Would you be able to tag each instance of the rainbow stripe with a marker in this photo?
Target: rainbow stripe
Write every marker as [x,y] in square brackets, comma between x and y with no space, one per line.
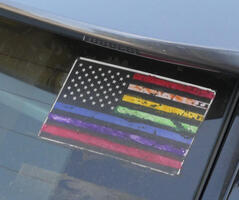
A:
[123,122]
[157,119]
[175,86]
[118,134]
[162,107]
[135,116]
[168,96]
[111,146]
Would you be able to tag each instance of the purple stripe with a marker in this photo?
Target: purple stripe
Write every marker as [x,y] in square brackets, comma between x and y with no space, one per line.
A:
[117,133]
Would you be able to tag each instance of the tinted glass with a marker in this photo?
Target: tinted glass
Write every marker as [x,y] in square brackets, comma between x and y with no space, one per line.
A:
[33,65]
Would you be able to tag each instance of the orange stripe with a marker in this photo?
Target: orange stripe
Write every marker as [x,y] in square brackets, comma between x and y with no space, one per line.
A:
[165,95]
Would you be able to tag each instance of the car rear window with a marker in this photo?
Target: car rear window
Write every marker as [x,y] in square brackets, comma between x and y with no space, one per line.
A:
[33,67]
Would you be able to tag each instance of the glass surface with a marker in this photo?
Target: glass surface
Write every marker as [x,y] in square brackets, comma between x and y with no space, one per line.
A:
[234,194]
[33,66]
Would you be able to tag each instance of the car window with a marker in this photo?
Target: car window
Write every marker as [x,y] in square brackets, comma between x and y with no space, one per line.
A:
[33,66]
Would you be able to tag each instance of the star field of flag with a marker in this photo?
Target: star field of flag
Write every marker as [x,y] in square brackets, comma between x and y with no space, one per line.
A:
[141,118]
[96,87]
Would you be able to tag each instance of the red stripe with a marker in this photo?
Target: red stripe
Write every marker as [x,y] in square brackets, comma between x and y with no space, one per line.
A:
[108,145]
[175,86]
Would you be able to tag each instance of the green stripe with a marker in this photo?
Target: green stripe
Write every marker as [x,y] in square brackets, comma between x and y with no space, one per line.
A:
[189,128]
[156,119]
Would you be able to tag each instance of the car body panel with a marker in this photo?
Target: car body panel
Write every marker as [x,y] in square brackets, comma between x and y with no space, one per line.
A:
[156,30]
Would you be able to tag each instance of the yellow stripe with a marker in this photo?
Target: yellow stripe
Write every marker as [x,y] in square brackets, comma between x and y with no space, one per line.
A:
[162,107]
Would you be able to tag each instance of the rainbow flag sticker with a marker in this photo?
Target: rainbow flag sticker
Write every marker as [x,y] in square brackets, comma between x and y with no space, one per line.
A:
[145,119]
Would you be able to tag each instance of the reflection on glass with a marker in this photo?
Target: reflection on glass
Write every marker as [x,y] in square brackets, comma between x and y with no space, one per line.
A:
[33,66]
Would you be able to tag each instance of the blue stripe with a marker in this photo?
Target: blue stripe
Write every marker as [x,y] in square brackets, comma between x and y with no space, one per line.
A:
[122,122]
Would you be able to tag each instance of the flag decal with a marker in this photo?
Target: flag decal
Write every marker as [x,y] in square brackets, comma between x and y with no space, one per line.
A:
[145,119]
